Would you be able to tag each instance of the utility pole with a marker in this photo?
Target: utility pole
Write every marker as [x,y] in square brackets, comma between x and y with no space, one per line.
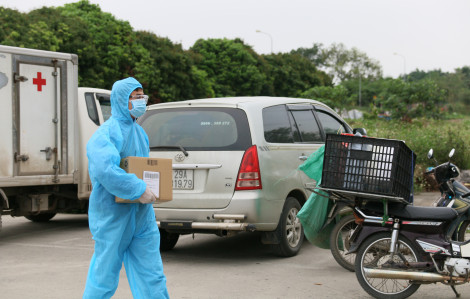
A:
[404,65]
[270,37]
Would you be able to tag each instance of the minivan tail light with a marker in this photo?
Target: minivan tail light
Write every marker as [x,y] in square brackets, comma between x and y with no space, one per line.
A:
[249,177]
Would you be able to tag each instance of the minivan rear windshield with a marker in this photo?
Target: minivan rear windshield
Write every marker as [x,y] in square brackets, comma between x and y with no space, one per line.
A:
[197,129]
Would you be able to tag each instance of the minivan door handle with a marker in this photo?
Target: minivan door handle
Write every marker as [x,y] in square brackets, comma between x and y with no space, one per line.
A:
[303,158]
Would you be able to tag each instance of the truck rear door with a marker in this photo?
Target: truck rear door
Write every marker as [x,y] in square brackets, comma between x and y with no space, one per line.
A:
[38,116]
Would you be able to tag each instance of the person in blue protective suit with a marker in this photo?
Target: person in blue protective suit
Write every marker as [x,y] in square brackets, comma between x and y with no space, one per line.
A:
[123,232]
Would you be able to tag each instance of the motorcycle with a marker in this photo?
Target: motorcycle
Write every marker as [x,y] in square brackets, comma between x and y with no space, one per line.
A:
[402,247]
[451,196]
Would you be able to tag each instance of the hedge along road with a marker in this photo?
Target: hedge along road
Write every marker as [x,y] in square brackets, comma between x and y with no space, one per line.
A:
[50,260]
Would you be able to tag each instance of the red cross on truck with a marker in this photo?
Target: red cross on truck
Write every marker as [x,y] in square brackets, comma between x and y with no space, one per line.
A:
[39,81]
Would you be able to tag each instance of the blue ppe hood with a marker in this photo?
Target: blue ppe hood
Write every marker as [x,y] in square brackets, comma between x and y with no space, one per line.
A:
[120,94]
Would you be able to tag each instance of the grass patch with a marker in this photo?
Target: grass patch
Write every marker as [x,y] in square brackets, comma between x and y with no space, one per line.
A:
[422,134]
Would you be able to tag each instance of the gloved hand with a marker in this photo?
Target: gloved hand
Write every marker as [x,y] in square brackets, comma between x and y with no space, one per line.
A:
[147,196]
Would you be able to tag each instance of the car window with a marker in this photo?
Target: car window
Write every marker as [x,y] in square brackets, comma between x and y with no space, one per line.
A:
[197,128]
[105,104]
[330,124]
[277,126]
[307,125]
[295,131]
[91,107]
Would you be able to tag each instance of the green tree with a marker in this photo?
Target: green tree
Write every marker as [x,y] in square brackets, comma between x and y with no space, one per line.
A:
[13,27]
[334,96]
[49,29]
[233,68]
[342,63]
[108,49]
[407,100]
[346,64]
[291,74]
[314,54]
[456,85]
[111,52]
[366,90]
[169,72]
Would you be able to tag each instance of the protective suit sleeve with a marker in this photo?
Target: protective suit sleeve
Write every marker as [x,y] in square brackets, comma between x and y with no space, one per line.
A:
[103,161]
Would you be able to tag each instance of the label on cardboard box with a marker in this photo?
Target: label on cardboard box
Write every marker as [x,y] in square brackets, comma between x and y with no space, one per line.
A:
[152,179]
[155,172]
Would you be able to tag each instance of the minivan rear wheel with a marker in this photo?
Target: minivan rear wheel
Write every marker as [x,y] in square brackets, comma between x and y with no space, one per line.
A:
[289,230]
[168,240]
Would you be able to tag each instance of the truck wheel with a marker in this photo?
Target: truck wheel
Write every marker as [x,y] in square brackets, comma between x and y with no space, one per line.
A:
[40,217]
[289,230]
[1,211]
[168,240]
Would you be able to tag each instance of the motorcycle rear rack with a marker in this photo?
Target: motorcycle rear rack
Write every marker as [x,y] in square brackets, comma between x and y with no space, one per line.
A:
[351,196]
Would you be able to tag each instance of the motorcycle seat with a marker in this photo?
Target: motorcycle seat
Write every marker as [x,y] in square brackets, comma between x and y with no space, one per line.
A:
[409,212]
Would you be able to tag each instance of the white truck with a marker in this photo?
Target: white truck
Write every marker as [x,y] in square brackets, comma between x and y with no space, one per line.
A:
[45,122]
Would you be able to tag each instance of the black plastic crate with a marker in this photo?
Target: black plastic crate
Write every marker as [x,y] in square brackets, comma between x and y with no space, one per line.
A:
[368,165]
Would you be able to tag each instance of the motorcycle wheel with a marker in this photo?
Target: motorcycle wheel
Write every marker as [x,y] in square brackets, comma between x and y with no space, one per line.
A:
[373,254]
[464,231]
[340,243]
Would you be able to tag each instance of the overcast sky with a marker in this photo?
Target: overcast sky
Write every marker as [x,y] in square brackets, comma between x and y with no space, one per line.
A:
[425,34]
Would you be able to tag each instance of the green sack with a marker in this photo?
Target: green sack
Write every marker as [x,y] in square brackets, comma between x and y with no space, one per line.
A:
[313,166]
[313,216]
[314,213]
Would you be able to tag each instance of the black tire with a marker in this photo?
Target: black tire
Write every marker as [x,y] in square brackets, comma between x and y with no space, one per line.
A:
[40,217]
[374,252]
[168,240]
[464,231]
[339,242]
[289,231]
[1,212]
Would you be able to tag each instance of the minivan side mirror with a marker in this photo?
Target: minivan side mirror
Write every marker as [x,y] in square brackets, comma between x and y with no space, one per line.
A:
[361,131]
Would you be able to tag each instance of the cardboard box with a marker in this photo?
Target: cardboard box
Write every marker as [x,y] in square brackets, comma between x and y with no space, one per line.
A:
[156,172]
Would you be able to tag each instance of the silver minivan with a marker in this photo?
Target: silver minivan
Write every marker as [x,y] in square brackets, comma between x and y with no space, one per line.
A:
[235,165]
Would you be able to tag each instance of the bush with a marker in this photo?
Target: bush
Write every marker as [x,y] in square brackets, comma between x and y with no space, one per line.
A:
[420,135]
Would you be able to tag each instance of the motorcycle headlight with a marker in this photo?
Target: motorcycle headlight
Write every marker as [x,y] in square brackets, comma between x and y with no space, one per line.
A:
[455,171]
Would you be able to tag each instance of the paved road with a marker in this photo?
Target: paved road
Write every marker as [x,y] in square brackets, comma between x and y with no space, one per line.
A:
[50,261]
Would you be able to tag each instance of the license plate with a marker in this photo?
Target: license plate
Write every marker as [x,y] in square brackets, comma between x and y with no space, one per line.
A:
[183,179]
